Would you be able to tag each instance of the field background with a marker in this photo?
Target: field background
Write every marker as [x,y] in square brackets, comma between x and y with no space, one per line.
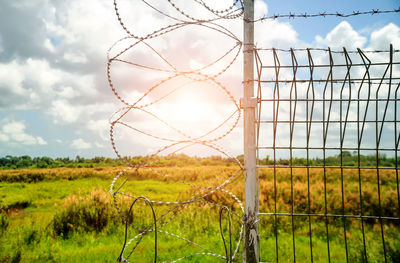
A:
[66,214]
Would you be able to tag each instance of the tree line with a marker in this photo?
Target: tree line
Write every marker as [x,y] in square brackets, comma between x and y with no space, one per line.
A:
[25,161]
[345,158]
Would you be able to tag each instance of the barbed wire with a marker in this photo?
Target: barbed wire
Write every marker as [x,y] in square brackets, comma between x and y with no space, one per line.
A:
[214,11]
[209,138]
[230,14]
[325,14]
[326,50]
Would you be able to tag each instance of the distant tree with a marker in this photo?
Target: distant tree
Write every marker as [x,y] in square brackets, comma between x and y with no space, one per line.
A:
[3,162]
[98,159]
[42,164]
[345,154]
[79,159]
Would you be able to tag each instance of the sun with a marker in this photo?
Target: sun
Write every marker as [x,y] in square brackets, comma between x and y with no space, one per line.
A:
[191,109]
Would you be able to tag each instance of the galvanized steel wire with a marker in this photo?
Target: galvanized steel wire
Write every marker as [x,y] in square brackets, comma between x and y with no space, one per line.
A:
[325,14]
[345,102]
[208,139]
[329,83]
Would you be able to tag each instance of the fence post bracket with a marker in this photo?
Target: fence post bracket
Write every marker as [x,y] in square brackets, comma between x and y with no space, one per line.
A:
[248,102]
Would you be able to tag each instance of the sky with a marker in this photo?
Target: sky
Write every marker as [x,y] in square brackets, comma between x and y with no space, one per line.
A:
[55,99]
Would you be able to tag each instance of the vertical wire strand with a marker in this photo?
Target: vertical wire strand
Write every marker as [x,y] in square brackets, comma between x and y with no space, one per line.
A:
[396,138]
[378,134]
[325,136]
[367,65]
[259,97]
[275,123]
[308,133]
[291,126]
[342,136]
[259,67]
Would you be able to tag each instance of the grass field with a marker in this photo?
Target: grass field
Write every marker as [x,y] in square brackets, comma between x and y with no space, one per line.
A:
[67,215]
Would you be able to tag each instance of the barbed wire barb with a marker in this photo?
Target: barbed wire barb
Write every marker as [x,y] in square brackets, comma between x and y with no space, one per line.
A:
[119,186]
[325,14]
[179,78]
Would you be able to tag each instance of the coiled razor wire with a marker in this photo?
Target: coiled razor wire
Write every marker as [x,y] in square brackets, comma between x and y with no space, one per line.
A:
[193,76]
[233,11]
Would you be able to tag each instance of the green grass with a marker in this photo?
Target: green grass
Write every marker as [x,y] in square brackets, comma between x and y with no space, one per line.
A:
[32,207]
[77,201]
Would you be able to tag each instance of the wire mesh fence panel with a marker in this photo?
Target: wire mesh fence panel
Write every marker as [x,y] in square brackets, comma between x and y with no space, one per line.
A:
[327,147]
[327,142]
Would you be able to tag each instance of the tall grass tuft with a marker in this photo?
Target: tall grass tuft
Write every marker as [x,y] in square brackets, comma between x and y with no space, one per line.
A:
[93,212]
[4,222]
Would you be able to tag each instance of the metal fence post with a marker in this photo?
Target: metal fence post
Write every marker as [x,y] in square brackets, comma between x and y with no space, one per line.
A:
[251,242]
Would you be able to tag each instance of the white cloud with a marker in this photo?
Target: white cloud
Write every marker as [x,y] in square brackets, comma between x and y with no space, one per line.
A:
[279,35]
[381,38]
[58,66]
[271,33]
[67,112]
[64,112]
[260,9]
[100,127]
[33,83]
[41,141]
[67,92]
[85,25]
[4,138]
[11,78]
[80,144]
[99,145]
[13,127]
[14,132]
[343,35]
[49,45]
[75,57]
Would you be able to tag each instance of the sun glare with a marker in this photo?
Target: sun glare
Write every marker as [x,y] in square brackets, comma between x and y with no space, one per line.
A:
[191,109]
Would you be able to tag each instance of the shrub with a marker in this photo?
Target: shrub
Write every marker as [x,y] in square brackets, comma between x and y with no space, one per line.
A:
[95,212]
[90,213]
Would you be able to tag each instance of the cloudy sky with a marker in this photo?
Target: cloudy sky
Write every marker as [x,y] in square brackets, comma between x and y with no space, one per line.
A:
[54,95]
